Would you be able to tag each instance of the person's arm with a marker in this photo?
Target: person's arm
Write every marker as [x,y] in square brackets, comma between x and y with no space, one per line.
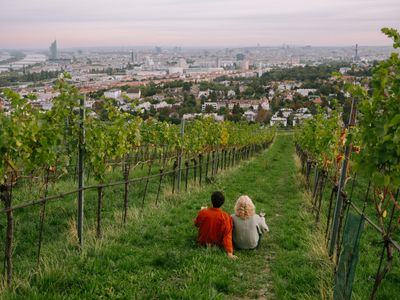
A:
[198,219]
[227,240]
[262,226]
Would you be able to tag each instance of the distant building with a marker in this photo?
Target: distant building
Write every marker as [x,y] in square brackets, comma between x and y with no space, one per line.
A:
[301,115]
[231,94]
[286,112]
[203,94]
[250,115]
[161,105]
[134,93]
[114,94]
[214,105]
[278,120]
[201,115]
[175,70]
[305,92]
[244,65]
[265,105]
[344,70]
[53,50]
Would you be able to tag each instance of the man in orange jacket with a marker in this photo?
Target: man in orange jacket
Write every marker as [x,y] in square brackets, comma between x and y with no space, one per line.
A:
[215,225]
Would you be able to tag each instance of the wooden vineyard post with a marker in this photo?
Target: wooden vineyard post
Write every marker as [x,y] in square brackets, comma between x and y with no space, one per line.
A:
[218,162]
[328,218]
[99,208]
[207,163]
[147,184]
[225,159]
[159,185]
[200,167]
[321,193]
[194,170]
[174,176]
[212,163]
[126,189]
[186,174]
[182,134]
[42,216]
[342,181]
[81,183]
[6,197]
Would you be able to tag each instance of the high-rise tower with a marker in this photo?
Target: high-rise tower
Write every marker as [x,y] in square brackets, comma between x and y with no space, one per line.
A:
[53,50]
[356,58]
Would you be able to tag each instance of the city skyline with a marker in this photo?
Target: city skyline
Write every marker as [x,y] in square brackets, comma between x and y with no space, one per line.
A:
[206,23]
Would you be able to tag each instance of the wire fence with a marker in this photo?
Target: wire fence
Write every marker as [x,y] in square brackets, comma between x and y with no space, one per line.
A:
[383,217]
[26,223]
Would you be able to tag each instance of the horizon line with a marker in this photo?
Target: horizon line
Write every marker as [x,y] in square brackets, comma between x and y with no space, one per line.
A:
[196,47]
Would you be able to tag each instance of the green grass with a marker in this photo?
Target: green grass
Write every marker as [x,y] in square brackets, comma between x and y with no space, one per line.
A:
[155,256]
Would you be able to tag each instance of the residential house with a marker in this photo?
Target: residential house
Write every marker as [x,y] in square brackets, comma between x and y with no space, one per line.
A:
[214,105]
[113,94]
[250,115]
[275,120]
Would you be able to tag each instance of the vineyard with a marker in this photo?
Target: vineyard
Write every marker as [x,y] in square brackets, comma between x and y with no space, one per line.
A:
[354,176]
[60,155]
[100,203]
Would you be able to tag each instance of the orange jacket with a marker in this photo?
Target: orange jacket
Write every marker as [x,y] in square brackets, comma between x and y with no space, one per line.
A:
[215,227]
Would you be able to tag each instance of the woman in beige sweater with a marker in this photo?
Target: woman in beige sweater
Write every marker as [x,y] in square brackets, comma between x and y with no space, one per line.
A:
[248,227]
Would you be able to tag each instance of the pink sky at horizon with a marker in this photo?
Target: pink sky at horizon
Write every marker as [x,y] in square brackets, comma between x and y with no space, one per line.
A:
[187,23]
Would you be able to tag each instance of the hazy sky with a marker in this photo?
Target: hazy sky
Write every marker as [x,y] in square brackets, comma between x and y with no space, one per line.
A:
[86,23]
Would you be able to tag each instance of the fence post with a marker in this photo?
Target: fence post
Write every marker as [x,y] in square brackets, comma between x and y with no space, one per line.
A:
[208,161]
[186,174]
[320,193]
[81,182]
[212,163]
[342,182]
[147,183]
[126,189]
[218,162]
[180,155]
[194,170]
[174,176]
[99,208]
[200,167]
[225,158]
[42,216]
[159,184]
[6,197]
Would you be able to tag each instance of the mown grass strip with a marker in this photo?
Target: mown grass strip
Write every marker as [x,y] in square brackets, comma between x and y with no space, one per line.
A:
[156,255]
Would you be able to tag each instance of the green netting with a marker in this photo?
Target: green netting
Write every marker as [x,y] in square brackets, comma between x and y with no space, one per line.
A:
[348,257]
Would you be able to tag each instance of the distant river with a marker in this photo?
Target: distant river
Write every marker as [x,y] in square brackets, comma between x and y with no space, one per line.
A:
[28,60]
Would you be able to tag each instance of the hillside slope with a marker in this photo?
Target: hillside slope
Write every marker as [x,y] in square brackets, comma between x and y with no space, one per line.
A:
[156,256]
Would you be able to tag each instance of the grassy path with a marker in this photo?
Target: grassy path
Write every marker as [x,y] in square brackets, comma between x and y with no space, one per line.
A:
[156,255]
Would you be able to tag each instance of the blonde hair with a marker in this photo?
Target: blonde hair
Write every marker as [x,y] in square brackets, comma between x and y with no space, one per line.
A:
[244,207]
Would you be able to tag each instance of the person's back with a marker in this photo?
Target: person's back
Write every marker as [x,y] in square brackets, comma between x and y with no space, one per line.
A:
[248,227]
[215,225]
[247,232]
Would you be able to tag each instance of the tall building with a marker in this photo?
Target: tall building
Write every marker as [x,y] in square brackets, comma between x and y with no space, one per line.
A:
[356,57]
[53,50]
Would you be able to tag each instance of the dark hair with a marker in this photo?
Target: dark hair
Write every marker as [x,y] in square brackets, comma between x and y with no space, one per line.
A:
[217,199]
